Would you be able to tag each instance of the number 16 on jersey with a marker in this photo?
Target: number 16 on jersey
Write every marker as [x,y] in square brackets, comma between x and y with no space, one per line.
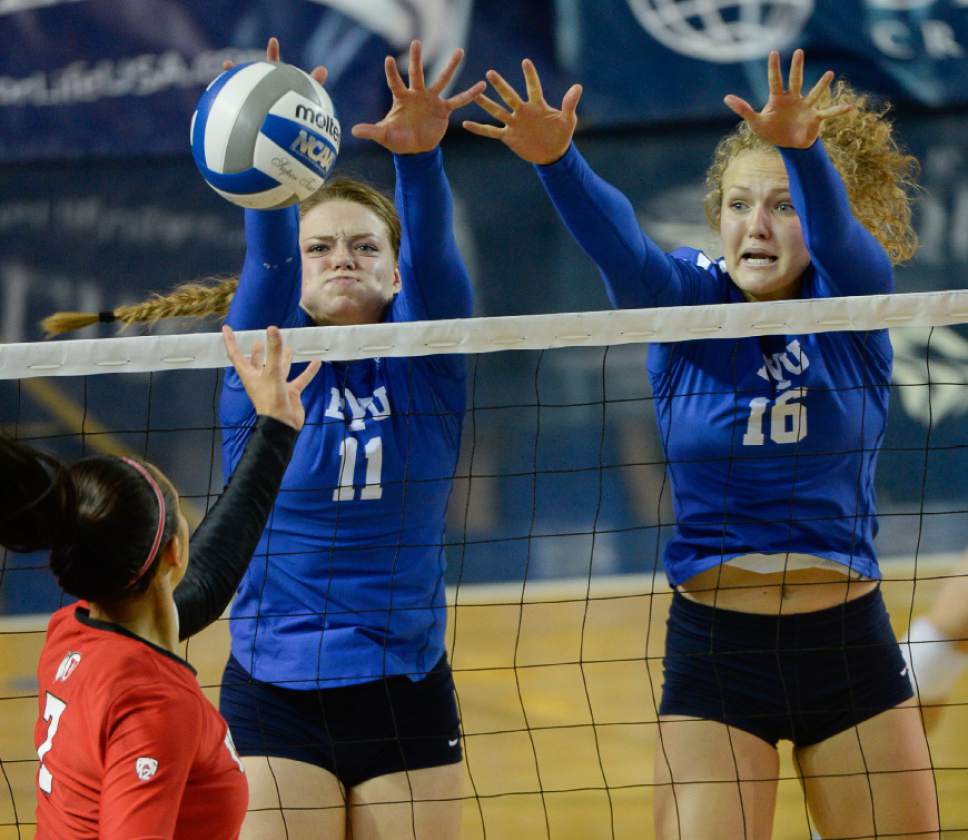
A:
[787,418]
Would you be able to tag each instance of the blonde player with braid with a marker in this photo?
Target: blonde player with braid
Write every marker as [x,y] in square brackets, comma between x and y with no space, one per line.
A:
[189,300]
[338,691]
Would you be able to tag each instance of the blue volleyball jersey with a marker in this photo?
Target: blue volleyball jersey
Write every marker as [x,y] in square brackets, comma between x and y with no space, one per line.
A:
[347,584]
[771,441]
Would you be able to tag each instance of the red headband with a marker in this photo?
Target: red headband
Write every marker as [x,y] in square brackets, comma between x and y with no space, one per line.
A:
[160,530]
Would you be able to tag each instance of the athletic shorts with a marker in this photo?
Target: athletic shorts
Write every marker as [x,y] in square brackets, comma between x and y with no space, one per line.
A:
[801,677]
[356,732]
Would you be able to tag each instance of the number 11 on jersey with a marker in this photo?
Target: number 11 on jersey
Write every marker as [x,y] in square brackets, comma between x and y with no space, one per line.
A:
[373,455]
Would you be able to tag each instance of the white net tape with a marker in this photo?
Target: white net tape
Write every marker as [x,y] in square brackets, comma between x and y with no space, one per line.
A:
[484,335]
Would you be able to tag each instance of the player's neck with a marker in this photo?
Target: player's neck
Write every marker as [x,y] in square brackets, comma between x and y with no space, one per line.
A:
[151,615]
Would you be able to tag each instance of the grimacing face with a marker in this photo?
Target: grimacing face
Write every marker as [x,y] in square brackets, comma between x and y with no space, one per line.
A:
[349,269]
[763,244]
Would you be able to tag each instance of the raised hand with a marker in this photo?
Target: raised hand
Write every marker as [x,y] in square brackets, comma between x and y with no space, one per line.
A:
[419,116]
[788,119]
[532,129]
[272,54]
[265,381]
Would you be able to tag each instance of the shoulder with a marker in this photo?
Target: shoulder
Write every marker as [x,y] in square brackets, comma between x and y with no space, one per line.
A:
[59,620]
[693,256]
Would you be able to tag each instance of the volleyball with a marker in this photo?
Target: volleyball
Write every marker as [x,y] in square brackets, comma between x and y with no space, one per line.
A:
[264,135]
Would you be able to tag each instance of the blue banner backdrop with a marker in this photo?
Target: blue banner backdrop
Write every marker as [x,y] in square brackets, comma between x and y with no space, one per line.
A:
[101,78]
[560,444]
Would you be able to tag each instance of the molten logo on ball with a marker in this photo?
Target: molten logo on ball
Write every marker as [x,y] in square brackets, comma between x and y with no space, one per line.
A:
[320,119]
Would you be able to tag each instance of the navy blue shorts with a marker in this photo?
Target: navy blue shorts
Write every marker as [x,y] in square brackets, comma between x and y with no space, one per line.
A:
[801,677]
[356,732]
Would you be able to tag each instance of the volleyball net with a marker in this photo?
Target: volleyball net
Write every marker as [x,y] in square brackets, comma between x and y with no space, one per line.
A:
[558,516]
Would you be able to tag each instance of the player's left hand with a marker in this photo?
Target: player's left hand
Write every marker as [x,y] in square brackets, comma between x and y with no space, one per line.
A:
[419,116]
[265,380]
[788,119]
[531,128]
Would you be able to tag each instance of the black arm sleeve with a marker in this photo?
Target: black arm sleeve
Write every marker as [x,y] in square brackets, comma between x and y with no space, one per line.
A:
[225,540]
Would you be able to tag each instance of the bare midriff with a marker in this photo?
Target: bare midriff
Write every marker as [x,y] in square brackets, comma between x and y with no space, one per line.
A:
[774,593]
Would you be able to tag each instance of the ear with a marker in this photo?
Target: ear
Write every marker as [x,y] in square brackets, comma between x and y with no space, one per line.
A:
[397,281]
[172,554]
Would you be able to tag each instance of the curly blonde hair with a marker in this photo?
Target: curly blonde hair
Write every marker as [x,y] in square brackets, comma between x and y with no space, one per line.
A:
[211,298]
[878,174]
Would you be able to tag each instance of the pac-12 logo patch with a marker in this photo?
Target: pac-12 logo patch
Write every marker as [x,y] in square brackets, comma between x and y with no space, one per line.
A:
[145,767]
[67,666]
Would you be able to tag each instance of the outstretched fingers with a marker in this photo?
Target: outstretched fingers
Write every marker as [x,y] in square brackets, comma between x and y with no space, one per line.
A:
[369,131]
[448,72]
[821,87]
[796,73]
[276,363]
[459,100]
[272,49]
[835,110]
[273,53]
[569,103]
[256,357]
[300,382]
[415,70]
[493,108]
[740,107]
[493,132]
[774,75]
[508,93]
[236,357]
[532,81]
[394,80]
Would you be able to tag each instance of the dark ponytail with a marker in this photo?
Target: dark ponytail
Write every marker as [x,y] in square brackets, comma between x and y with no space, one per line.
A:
[36,499]
[99,518]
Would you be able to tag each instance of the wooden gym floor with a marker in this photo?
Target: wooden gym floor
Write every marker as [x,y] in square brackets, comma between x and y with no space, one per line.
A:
[534,718]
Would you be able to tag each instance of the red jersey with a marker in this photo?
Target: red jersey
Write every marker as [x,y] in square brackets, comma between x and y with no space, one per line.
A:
[129,746]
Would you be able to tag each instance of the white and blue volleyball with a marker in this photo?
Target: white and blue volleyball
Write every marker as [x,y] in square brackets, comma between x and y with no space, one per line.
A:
[264,135]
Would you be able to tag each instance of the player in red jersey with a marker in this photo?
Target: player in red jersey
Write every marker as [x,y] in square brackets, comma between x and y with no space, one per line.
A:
[129,746]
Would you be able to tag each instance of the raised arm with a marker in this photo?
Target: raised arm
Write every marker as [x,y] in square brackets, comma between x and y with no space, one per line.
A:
[435,281]
[224,542]
[636,271]
[847,257]
[270,283]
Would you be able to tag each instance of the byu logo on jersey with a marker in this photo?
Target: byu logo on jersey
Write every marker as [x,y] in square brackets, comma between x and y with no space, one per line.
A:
[68,664]
[792,360]
[377,406]
[145,767]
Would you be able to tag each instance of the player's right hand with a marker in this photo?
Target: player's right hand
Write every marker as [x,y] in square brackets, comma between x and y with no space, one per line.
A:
[789,119]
